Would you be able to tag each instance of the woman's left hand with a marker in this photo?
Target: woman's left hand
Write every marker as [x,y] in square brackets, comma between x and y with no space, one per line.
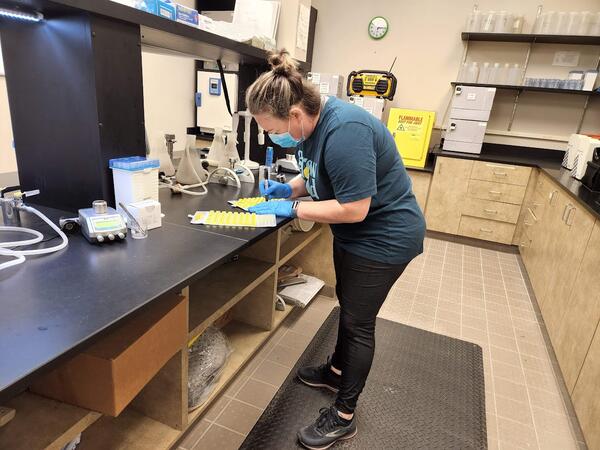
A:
[281,208]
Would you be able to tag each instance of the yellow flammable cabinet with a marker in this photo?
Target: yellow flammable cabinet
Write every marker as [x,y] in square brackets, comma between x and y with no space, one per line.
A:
[412,131]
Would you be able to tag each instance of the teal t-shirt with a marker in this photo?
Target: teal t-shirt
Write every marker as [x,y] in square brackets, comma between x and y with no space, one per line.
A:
[351,156]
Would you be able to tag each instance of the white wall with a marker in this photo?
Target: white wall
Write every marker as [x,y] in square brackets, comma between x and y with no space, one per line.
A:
[425,35]
[169,86]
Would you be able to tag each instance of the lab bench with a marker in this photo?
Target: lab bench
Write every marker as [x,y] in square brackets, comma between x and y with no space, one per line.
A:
[54,308]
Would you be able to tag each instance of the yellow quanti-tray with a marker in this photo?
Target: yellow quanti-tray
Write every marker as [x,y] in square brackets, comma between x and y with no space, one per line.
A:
[246,203]
[233,219]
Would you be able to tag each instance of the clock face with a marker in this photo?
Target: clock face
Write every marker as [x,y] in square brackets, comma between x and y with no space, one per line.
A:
[378,27]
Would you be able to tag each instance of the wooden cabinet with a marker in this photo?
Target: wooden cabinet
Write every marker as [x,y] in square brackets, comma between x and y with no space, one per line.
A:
[570,227]
[581,314]
[420,185]
[537,234]
[586,396]
[489,230]
[446,194]
[501,173]
[498,192]
[476,199]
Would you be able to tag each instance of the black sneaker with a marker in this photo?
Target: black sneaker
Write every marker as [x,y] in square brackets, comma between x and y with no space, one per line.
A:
[320,376]
[327,430]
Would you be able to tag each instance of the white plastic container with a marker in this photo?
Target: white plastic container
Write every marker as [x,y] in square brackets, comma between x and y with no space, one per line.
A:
[488,22]
[517,24]
[474,21]
[502,76]
[494,73]
[562,25]
[584,24]
[147,213]
[135,179]
[484,74]
[514,75]
[472,73]
[550,22]
[595,25]
[574,23]
[501,23]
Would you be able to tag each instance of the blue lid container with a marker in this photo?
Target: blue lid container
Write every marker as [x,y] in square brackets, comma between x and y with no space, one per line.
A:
[133,163]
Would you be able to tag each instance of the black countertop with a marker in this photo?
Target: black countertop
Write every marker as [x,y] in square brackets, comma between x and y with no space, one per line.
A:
[51,306]
[548,161]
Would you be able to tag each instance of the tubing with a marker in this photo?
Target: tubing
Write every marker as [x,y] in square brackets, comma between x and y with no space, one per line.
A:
[19,255]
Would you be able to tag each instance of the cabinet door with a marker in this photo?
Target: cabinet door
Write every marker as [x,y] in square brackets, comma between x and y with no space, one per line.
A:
[571,227]
[538,231]
[582,313]
[420,186]
[446,194]
[586,395]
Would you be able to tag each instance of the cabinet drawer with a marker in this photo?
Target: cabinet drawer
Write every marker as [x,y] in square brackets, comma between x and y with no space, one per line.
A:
[502,173]
[488,230]
[499,192]
[486,209]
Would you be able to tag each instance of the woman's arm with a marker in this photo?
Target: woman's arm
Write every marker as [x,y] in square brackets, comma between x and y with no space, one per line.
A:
[332,211]
[298,187]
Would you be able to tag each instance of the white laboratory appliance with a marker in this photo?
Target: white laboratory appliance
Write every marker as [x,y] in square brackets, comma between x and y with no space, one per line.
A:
[584,152]
[469,113]
[211,108]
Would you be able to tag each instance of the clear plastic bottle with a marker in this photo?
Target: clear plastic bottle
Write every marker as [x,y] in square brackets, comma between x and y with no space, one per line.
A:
[502,77]
[484,74]
[595,25]
[474,22]
[514,75]
[494,73]
[501,22]
[517,24]
[574,23]
[488,22]
[472,73]
[463,73]
[562,22]
[550,21]
[539,23]
[585,22]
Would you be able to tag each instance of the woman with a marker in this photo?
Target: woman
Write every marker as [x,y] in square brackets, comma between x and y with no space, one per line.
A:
[351,169]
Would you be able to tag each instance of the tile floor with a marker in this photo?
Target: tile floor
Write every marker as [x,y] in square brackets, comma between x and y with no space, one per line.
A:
[459,290]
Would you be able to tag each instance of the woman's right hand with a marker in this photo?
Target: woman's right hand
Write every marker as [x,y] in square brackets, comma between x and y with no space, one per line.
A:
[276,190]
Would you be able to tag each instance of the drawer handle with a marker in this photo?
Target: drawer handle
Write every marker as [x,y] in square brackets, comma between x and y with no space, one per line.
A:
[500,174]
[522,245]
[495,192]
[486,230]
[497,166]
[570,215]
[532,214]
[527,224]
[552,196]
[490,211]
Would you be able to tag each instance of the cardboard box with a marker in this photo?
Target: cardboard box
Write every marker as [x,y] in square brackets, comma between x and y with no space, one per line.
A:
[109,374]
[187,15]
[167,9]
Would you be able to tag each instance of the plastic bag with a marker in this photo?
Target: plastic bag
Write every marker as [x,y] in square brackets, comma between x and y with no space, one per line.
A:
[207,358]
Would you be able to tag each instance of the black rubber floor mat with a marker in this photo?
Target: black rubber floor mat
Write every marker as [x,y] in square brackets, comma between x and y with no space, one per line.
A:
[425,391]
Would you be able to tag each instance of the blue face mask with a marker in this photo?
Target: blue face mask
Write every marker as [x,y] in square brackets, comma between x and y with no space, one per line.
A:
[286,140]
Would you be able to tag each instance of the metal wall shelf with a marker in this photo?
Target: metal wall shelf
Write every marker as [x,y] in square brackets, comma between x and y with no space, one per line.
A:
[157,31]
[531,38]
[529,88]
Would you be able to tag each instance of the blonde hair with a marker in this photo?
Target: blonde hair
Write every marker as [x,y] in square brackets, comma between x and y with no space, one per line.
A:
[276,91]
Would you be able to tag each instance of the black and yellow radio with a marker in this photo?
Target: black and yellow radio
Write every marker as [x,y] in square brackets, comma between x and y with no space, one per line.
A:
[372,83]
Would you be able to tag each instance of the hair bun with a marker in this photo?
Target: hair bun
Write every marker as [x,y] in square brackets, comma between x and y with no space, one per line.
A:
[282,64]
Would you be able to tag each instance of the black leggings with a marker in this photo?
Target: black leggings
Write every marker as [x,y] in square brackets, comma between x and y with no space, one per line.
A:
[361,286]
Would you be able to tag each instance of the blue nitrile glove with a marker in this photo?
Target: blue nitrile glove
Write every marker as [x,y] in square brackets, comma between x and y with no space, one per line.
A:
[281,208]
[276,190]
